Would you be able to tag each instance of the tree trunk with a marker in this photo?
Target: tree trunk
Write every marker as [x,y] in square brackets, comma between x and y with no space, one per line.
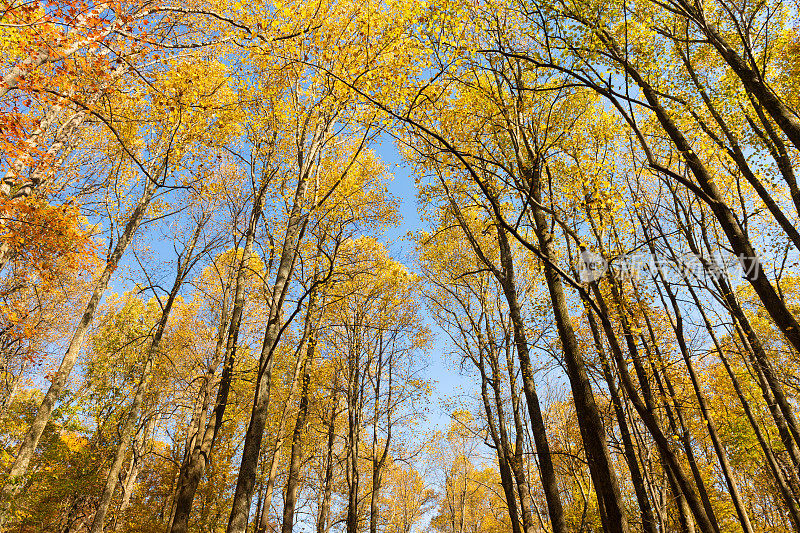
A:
[593,433]
[327,486]
[379,459]
[683,432]
[131,421]
[251,450]
[668,455]
[355,397]
[293,482]
[735,152]
[499,438]
[269,488]
[722,457]
[681,506]
[505,276]
[374,497]
[750,77]
[134,469]
[648,520]
[772,390]
[192,470]
[546,469]
[786,492]
[740,243]
[19,469]
[514,456]
[777,149]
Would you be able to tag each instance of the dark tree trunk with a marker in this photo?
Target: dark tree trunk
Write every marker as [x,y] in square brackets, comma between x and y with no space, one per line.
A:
[668,454]
[245,483]
[327,485]
[505,277]
[296,456]
[593,432]
[546,469]
[192,469]
[499,437]
[646,511]
[185,262]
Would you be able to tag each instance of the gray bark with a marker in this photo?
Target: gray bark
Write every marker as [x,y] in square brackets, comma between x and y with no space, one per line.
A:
[198,457]
[130,424]
[245,483]
[19,469]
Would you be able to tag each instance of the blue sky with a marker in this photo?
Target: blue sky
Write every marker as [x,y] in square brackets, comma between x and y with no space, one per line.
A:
[441,369]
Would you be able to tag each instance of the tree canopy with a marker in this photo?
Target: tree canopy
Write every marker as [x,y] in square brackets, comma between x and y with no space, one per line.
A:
[214,316]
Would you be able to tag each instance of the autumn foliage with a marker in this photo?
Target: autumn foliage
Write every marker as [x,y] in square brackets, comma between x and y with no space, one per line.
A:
[219,310]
